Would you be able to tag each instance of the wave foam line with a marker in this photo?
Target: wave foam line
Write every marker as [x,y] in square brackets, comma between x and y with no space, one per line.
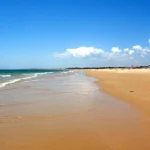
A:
[5,76]
[25,78]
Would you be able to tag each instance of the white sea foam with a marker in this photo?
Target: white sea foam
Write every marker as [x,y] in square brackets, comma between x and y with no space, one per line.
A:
[42,73]
[71,71]
[21,79]
[5,76]
[9,82]
[68,71]
[65,72]
[37,74]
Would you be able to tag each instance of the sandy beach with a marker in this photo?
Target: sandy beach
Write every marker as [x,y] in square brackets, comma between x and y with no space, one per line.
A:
[74,75]
[130,85]
[69,113]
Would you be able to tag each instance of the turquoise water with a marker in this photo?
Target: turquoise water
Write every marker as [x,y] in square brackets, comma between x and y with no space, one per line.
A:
[8,77]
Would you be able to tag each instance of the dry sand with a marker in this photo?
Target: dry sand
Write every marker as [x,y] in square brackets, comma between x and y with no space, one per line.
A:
[131,85]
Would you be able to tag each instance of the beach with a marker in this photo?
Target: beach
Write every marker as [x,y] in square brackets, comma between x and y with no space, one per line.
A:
[130,85]
[69,112]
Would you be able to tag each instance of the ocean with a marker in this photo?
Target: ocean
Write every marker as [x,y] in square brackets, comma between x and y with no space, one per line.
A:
[9,77]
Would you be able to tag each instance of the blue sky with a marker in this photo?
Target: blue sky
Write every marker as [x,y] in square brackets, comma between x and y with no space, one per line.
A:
[69,33]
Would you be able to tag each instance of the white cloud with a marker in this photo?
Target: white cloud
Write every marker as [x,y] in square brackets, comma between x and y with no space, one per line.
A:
[148,40]
[137,47]
[115,53]
[126,50]
[80,52]
[131,52]
[140,50]
[115,50]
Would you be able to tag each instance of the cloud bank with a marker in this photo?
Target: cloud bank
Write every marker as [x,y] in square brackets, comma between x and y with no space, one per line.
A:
[80,52]
[113,53]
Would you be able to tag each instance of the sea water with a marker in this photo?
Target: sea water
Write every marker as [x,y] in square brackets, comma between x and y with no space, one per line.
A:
[9,77]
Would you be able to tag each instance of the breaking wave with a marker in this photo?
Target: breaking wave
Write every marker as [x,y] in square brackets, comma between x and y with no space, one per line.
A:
[21,79]
[5,76]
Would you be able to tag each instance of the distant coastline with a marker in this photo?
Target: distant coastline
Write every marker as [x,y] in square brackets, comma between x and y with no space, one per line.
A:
[122,67]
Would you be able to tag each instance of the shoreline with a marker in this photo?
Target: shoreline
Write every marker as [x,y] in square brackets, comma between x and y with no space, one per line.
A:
[131,86]
[68,112]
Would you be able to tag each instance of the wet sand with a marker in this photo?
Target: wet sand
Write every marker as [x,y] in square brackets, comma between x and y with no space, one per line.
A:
[68,113]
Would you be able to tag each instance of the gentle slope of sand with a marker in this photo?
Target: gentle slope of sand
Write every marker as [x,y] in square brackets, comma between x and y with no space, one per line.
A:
[131,85]
[68,113]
